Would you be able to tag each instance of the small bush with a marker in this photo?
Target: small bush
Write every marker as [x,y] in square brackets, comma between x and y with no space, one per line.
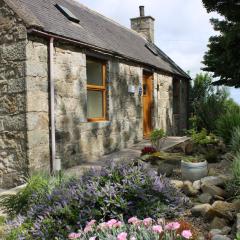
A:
[119,190]
[202,137]
[233,186]
[235,140]
[226,124]
[157,138]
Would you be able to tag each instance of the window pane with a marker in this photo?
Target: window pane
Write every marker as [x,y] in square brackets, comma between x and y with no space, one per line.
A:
[94,73]
[95,104]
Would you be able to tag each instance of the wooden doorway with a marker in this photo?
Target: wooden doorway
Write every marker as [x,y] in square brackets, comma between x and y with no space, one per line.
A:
[147,104]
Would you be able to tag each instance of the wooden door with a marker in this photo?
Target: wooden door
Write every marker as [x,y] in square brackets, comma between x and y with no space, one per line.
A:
[147,104]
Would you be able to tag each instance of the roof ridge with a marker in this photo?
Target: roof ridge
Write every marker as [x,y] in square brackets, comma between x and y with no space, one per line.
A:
[106,18]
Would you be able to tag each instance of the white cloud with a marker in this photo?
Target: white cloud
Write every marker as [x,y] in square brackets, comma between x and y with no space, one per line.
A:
[182,27]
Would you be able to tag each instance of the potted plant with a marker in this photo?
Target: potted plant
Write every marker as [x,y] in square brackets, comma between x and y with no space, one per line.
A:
[194,168]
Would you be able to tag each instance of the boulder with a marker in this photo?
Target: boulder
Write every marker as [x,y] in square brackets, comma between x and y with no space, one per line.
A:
[238,223]
[214,232]
[213,180]
[220,237]
[222,209]
[236,204]
[205,198]
[189,190]
[218,223]
[200,209]
[213,190]
[197,184]
[177,183]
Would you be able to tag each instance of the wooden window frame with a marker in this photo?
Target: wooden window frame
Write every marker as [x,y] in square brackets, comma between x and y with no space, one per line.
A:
[102,89]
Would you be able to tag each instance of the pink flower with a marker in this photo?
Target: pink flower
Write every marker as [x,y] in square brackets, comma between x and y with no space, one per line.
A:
[186,234]
[91,223]
[103,225]
[111,223]
[147,221]
[117,224]
[133,238]
[74,235]
[122,236]
[157,229]
[88,229]
[92,238]
[172,226]
[133,220]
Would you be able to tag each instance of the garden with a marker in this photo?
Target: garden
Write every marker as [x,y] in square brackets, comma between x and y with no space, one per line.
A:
[190,191]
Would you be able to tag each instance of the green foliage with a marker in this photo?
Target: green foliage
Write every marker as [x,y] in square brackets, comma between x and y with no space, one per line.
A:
[157,138]
[193,159]
[37,187]
[226,124]
[235,140]
[233,186]
[222,57]
[208,103]
[202,137]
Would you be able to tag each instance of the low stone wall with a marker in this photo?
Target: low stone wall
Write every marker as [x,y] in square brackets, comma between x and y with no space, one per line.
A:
[13,140]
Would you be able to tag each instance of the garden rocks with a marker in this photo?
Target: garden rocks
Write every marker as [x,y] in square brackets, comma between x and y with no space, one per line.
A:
[223,231]
[213,190]
[197,184]
[200,210]
[212,180]
[205,198]
[218,223]
[177,183]
[238,223]
[189,190]
[220,237]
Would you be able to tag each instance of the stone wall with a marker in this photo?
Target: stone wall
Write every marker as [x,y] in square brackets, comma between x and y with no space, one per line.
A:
[37,104]
[13,142]
[81,141]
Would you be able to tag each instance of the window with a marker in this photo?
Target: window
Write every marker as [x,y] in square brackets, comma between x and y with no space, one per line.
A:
[96,90]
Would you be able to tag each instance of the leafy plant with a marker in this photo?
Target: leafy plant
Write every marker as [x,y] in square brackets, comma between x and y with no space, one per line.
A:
[118,190]
[202,137]
[233,186]
[193,159]
[148,150]
[36,189]
[226,124]
[157,138]
[235,140]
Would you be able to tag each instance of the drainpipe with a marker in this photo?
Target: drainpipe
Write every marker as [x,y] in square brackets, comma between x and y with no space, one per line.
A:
[55,163]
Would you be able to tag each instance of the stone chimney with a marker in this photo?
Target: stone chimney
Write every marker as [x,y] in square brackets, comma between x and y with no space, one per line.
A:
[144,25]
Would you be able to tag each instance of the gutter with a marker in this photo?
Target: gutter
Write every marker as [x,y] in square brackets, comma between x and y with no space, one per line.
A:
[100,50]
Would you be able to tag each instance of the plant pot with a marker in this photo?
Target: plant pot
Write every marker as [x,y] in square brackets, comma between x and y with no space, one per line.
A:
[194,171]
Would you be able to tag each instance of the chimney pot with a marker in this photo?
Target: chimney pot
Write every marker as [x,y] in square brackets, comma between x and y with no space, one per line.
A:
[141,8]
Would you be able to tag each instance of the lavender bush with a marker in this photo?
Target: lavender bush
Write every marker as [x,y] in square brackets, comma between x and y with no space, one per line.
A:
[118,190]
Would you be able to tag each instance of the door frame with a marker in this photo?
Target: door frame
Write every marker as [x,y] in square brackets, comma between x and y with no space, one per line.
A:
[147,77]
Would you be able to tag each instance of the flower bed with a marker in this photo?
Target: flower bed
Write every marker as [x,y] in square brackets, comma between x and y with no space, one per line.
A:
[135,229]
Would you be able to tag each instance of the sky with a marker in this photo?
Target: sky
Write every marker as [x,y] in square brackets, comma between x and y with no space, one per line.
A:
[182,27]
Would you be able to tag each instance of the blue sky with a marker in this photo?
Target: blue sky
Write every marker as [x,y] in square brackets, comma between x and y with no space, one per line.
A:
[182,28]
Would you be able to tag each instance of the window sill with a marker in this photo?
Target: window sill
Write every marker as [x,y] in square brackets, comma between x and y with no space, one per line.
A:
[96,124]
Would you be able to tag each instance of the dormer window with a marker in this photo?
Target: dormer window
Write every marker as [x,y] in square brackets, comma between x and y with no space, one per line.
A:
[67,13]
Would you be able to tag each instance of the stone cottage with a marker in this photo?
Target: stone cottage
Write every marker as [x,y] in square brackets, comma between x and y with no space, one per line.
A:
[75,85]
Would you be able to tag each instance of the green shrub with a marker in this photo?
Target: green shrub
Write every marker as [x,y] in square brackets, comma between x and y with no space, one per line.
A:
[233,186]
[235,140]
[157,138]
[226,124]
[202,137]
[37,187]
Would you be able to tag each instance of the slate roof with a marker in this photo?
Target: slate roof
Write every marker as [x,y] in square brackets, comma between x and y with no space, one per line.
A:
[93,29]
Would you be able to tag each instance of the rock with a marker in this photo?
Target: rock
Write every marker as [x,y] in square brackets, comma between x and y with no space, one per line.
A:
[200,209]
[236,204]
[218,198]
[215,232]
[205,198]
[188,189]
[165,169]
[197,184]
[218,223]
[238,223]
[226,230]
[220,237]
[213,190]
[188,148]
[212,180]
[177,183]
[222,209]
